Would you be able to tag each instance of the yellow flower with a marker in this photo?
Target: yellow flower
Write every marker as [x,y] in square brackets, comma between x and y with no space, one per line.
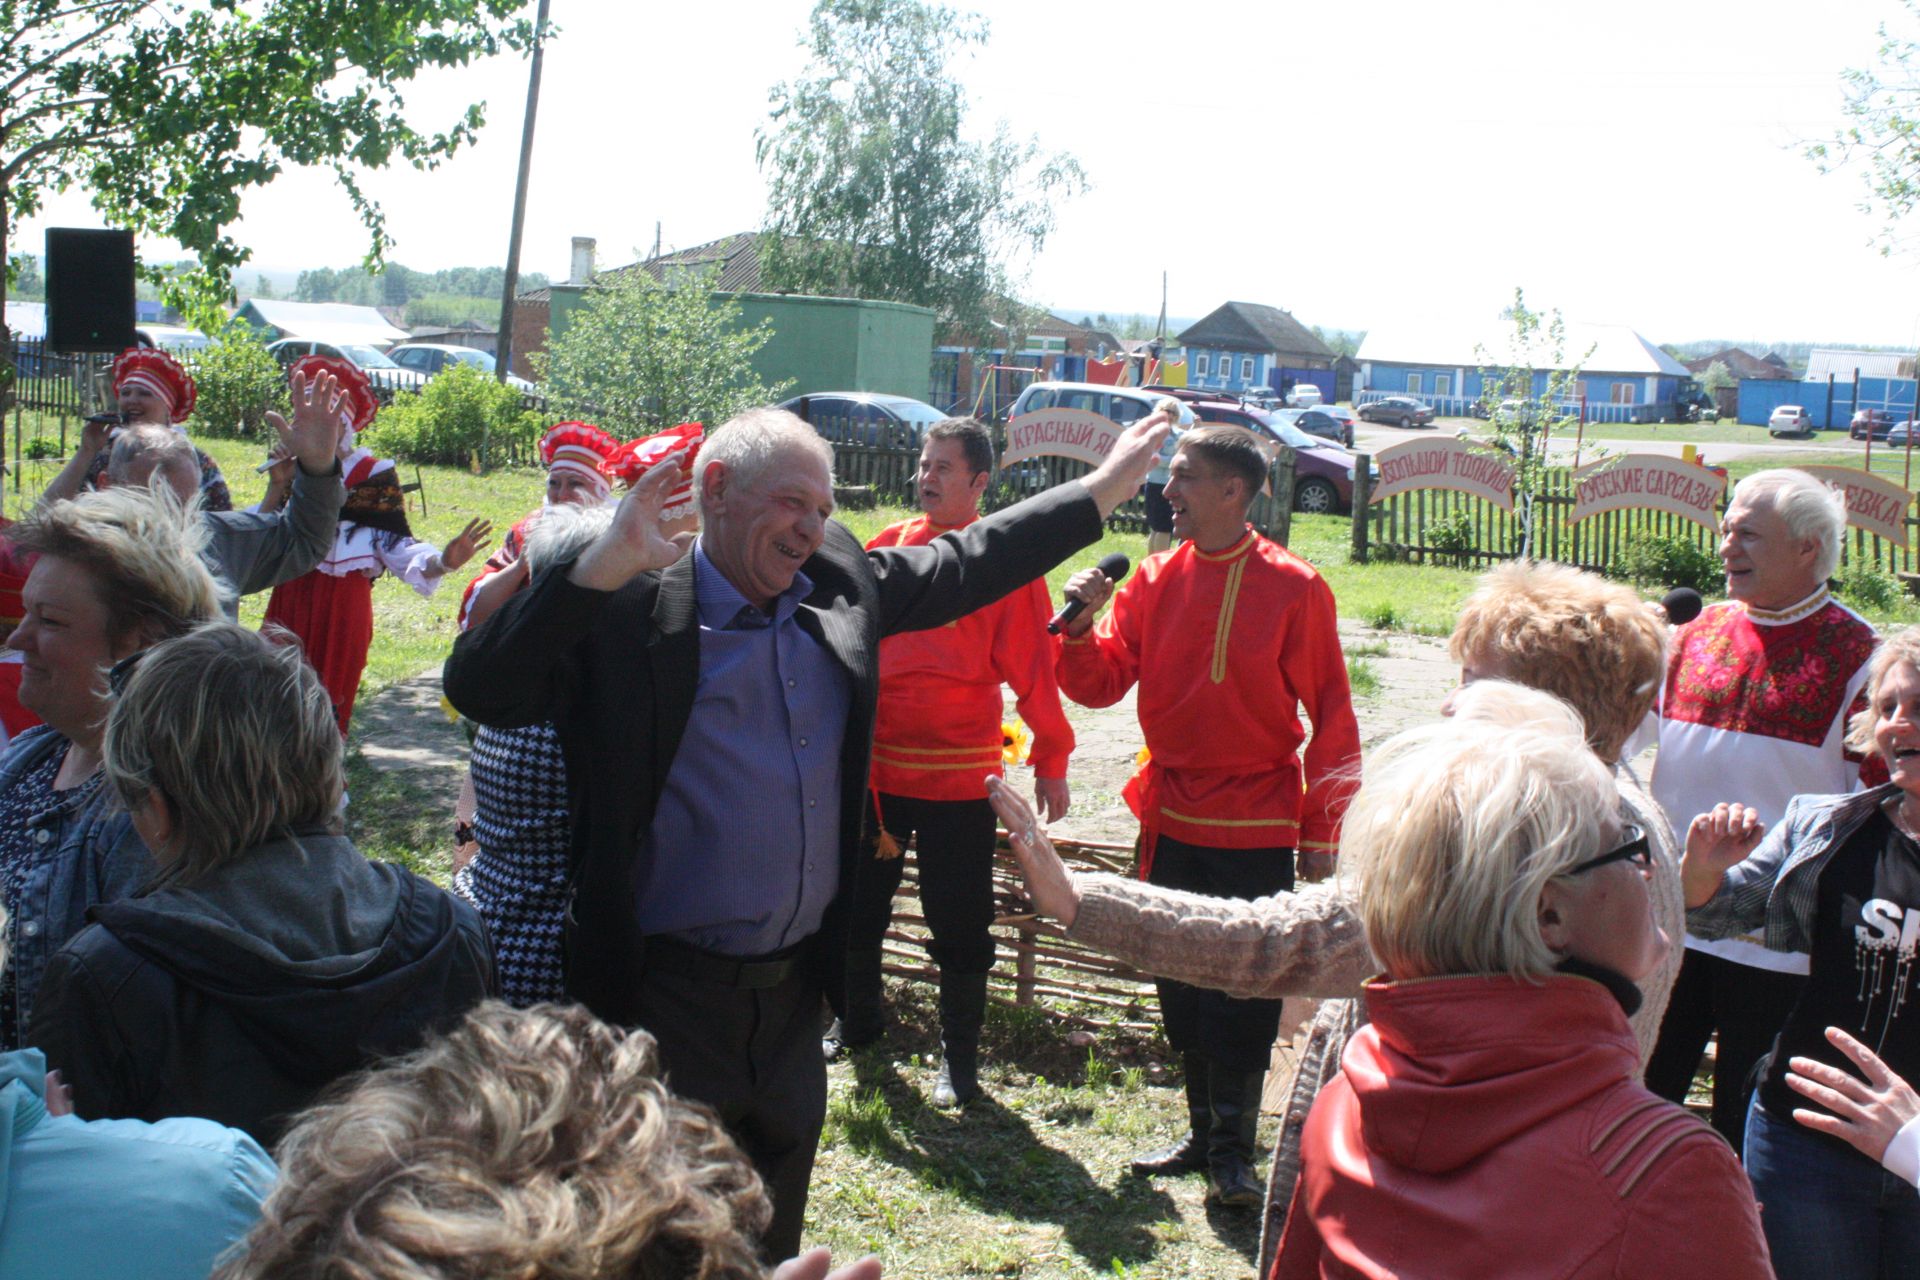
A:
[1141,757]
[1013,742]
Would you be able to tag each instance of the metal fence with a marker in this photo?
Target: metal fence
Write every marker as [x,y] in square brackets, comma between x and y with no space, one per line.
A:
[1464,406]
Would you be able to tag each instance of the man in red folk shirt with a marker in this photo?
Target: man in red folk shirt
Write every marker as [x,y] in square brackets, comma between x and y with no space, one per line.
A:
[1229,637]
[936,737]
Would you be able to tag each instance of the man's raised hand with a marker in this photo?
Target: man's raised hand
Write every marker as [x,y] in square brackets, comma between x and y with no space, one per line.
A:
[635,542]
[1127,464]
[313,438]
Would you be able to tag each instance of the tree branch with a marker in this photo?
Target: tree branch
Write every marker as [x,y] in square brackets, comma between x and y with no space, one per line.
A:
[32,69]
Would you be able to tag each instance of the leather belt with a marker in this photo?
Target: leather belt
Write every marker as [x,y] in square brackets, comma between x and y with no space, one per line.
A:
[751,973]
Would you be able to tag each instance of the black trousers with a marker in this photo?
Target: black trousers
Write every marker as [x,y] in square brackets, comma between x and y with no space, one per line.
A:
[955,858]
[1747,1006]
[1238,1034]
[754,1057]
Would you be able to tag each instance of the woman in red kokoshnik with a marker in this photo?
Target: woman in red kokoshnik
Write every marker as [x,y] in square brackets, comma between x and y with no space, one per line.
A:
[151,386]
[330,608]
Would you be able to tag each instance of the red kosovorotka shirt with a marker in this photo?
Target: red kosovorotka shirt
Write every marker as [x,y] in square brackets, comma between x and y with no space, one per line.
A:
[1227,648]
[936,735]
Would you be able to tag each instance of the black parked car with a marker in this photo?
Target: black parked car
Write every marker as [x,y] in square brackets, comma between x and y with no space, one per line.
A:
[1876,421]
[866,417]
[1397,411]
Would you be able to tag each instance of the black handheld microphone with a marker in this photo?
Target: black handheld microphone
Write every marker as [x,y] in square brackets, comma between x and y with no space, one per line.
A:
[1683,605]
[1114,566]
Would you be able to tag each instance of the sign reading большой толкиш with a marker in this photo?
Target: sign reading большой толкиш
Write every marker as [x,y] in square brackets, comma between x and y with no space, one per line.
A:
[1444,462]
[1067,433]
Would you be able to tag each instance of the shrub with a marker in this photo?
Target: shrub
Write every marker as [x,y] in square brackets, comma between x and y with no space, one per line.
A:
[1863,584]
[1452,539]
[237,381]
[463,416]
[1668,560]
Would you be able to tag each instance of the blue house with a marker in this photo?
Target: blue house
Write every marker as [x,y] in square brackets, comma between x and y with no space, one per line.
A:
[1248,344]
[1623,377]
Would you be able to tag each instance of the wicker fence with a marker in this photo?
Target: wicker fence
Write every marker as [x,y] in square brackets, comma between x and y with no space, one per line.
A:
[1037,964]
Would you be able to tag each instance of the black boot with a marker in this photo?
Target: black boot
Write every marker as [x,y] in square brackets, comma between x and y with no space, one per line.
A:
[1236,1121]
[863,1016]
[1190,1154]
[963,1010]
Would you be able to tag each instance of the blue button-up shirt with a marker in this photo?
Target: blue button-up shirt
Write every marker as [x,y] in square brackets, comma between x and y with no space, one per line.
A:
[745,842]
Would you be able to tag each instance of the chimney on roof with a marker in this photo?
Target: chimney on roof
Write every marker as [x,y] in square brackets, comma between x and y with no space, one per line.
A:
[582,270]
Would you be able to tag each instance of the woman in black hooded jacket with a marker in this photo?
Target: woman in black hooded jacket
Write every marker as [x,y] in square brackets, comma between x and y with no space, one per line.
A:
[269,958]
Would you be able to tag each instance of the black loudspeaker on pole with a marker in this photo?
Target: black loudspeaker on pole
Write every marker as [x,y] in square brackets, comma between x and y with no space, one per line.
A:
[89,289]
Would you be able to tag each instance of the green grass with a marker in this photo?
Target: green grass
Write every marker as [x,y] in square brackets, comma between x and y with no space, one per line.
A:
[1726,431]
[1029,1181]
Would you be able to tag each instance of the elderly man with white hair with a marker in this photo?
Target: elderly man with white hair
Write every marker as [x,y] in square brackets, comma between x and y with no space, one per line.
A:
[716,712]
[1754,709]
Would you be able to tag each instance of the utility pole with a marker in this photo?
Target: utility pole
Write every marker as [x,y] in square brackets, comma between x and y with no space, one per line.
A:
[503,359]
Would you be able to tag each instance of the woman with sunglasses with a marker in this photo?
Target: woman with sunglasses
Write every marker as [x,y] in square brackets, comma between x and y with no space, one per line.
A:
[1839,879]
[1489,1120]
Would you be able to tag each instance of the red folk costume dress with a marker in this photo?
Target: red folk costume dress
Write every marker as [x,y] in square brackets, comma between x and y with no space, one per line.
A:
[330,607]
[1227,648]
[936,733]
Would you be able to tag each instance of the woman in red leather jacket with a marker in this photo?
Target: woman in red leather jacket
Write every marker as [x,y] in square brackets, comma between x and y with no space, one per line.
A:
[1489,1121]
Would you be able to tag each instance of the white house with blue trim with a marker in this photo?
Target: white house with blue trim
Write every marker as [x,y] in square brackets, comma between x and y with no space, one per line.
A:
[1623,376]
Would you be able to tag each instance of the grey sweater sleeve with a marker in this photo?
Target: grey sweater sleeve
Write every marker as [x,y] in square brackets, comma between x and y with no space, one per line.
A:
[1308,943]
[253,550]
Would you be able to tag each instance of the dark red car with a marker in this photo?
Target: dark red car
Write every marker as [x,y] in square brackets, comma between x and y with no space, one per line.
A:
[1322,470]
[1876,421]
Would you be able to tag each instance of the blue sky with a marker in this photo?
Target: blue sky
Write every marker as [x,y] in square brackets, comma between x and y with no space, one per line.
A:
[1634,163]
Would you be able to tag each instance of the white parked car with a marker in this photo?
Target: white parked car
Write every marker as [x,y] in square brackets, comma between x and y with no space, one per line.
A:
[1790,420]
[1304,395]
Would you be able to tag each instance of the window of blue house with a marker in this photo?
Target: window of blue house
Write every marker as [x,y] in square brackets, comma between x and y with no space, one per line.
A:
[1200,366]
[1246,368]
[1413,383]
[1443,384]
[1623,393]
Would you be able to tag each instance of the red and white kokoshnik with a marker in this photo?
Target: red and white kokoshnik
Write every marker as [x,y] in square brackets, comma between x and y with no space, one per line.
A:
[160,373]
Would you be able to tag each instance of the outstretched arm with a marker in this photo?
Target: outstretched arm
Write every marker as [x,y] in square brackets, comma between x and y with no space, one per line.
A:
[1291,944]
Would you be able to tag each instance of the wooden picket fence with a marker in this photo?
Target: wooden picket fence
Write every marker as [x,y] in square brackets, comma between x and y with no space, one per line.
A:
[1037,965]
[1423,525]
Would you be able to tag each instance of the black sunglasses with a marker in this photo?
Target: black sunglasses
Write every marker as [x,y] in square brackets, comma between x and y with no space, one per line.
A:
[1635,849]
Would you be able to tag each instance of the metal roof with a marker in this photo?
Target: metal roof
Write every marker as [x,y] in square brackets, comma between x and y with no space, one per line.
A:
[334,322]
[1842,363]
[1606,348]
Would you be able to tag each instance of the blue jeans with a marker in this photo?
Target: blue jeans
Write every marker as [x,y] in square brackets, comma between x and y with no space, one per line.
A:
[1828,1211]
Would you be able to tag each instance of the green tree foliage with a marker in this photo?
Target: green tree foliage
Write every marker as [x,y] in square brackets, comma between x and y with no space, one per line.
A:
[874,192]
[28,284]
[1522,407]
[168,111]
[237,382]
[463,417]
[638,356]
[1883,125]
[1718,378]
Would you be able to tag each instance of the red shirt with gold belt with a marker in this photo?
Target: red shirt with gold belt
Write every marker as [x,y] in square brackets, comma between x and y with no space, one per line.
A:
[1227,648]
[936,735]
